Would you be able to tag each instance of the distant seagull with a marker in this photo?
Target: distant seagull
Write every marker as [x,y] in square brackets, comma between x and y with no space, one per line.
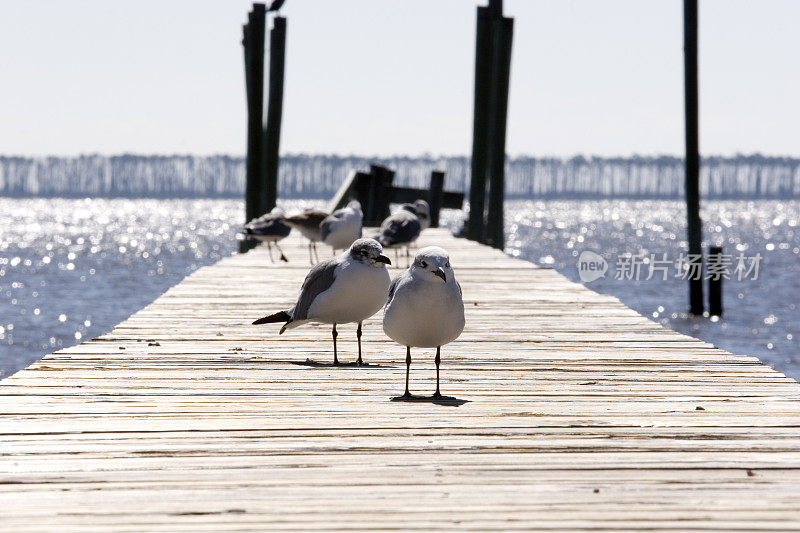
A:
[270,229]
[400,229]
[425,308]
[423,213]
[348,288]
[276,5]
[342,227]
[307,223]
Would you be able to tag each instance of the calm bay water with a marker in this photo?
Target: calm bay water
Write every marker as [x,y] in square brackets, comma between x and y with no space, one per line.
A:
[72,269]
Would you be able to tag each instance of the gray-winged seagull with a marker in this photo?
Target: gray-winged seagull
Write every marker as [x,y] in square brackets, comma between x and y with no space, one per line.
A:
[423,213]
[342,227]
[400,229]
[269,229]
[307,223]
[349,288]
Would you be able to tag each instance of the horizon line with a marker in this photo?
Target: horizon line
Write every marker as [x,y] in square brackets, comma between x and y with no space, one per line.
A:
[736,155]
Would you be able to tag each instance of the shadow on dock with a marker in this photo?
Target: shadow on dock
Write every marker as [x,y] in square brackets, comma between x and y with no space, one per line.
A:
[316,364]
[450,401]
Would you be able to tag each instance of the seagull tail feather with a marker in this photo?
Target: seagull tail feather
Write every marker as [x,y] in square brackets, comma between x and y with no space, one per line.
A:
[280,316]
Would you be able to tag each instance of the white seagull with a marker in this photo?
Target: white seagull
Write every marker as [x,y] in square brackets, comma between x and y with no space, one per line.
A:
[307,223]
[425,309]
[423,213]
[400,229]
[270,229]
[348,288]
[342,227]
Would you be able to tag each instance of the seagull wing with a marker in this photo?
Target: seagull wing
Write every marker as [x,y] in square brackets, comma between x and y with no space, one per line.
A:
[393,287]
[399,229]
[319,279]
[267,225]
[330,222]
[309,217]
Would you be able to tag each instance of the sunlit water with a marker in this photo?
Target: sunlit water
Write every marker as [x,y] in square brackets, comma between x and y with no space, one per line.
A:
[761,316]
[72,269]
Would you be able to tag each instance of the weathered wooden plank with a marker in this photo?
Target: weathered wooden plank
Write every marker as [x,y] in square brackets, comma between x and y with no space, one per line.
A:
[581,415]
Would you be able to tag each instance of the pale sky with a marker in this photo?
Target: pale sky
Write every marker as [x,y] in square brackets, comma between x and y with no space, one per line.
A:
[381,77]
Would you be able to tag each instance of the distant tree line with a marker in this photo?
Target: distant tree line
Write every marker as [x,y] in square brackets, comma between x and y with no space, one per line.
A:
[318,176]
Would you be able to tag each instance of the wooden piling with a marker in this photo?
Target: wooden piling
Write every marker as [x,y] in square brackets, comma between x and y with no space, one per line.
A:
[272,131]
[715,267]
[503,31]
[435,196]
[383,178]
[493,39]
[693,222]
[253,42]
[480,125]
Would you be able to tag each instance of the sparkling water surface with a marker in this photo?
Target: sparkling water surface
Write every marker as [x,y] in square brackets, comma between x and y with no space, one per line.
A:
[72,269]
[761,316]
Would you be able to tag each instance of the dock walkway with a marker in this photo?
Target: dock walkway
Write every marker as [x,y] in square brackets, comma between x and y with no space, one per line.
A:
[581,415]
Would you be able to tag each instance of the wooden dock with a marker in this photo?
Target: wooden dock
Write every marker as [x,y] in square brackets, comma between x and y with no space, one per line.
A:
[581,415]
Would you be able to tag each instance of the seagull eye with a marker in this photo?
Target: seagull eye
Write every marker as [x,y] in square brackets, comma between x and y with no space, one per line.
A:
[447,265]
[423,264]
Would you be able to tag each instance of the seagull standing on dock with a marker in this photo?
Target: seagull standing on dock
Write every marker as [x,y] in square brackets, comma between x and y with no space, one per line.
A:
[348,288]
[307,223]
[423,213]
[425,309]
[400,229]
[342,227]
[270,229]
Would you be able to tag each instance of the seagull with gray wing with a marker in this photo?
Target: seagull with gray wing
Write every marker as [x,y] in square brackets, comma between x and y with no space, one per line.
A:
[269,229]
[342,227]
[345,289]
[425,308]
[423,213]
[400,229]
[308,223]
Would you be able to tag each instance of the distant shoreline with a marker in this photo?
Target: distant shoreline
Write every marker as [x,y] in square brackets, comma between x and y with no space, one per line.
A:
[319,176]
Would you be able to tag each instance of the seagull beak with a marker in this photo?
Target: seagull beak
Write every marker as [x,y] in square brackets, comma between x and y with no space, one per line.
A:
[383,259]
[439,272]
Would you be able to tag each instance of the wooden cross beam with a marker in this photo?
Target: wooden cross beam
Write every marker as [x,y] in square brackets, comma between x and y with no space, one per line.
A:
[375,191]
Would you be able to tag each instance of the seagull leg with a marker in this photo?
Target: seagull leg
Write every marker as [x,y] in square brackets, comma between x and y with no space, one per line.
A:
[438,360]
[408,257]
[316,254]
[396,260]
[358,334]
[408,368]
[335,334]
[310,257]
[283,257]
[269,247]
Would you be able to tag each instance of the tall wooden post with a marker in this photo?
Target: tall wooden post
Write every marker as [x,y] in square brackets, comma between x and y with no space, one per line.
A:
[435,196]
[272,131]
[253,42]
[480,124]
[380,195]
[494,36]
[693,223]
[715,262]
[503,30]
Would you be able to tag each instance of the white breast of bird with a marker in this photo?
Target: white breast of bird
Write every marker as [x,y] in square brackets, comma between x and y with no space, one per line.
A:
[425,315]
